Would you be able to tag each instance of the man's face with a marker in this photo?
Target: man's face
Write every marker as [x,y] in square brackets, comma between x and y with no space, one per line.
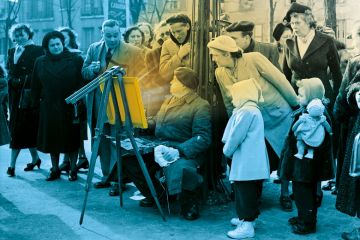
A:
[177,89]
[242,42]
[179,31]
[163,33]
[111,36]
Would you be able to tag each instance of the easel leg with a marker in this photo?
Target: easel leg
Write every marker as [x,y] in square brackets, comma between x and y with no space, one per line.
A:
[95,149]
[118,143]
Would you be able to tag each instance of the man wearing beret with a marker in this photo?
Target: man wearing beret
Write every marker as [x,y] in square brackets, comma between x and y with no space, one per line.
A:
[176,50]
[184,125]
[242,33]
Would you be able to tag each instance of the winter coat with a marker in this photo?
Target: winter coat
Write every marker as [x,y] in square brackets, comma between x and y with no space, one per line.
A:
[347,113]
[23,124]
[4,130]
[320,168]
[187,124]
[169,60]
[54,79]
[276,90]
[269,50]
[319,57]
[245,144]
[126,56]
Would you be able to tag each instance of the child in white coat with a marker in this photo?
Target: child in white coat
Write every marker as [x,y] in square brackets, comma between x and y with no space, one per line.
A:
[245,145]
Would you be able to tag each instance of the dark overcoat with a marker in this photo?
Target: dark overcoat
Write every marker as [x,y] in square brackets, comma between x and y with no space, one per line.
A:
[347,113]
[53,81]
[319,57]
[23,122]
[4,130]
[320,168]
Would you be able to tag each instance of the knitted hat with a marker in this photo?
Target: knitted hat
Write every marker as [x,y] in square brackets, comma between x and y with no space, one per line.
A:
[187,77]
[245,91]
[313,88]
[224,43]
[279,30]
[295,8]
[315,108]
[242,26]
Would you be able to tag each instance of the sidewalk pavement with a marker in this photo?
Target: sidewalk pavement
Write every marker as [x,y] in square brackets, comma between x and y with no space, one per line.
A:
[33,209]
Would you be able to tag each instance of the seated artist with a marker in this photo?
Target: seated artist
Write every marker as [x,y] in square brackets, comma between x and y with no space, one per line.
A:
[184,122]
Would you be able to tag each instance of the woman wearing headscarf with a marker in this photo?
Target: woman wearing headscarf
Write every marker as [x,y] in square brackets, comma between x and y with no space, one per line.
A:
[23,117]
[56,76]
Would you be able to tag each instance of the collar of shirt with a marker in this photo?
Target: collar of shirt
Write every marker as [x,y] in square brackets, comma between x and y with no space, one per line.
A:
[303,43]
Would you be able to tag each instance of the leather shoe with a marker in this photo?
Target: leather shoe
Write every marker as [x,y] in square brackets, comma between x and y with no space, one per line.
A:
[72,176]
[293,220]
[64,167]
[83,163]
[53,175]
[286,203]
[147,202]
[192,213]
[114,190]
[303,228]
[10,171]
[353,235]
[101,185]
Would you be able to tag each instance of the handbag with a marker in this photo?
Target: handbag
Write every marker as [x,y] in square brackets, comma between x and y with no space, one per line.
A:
[25,96]
[355,158]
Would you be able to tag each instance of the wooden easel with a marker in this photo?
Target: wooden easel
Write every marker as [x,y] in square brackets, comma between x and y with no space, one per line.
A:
[115,73]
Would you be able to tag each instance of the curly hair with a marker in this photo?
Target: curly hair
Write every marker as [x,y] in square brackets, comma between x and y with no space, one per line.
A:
[21,27]
[151,31]
[52,35]
[131,29]
[73,43]
[308,18]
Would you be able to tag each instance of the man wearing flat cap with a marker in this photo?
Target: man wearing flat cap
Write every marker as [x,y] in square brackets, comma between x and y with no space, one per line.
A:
[175,51]
[184,122]
[242,33]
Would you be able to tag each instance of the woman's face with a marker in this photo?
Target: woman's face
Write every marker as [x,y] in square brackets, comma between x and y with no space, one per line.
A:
[146,32]
[55,46]
[300,27]
[286,35]
[222,59]
[177,89]
[135,38]
[302,97]
[21,36]
[67,38]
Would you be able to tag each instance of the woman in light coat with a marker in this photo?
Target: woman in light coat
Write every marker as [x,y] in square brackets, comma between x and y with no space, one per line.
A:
[279,96]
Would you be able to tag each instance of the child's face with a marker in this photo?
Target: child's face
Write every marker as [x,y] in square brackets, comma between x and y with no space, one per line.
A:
[302,97]
[357,98]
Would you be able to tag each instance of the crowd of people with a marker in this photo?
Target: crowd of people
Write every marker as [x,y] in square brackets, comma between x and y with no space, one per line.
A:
[292,106]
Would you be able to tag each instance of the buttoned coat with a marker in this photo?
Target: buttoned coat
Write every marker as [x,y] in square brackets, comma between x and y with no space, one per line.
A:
[319,57]
[125,55]
[23,124]
[53,81]
[4,130]
[278,94]
[245,145]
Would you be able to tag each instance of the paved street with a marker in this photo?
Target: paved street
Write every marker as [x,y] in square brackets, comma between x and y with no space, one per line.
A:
[31,208]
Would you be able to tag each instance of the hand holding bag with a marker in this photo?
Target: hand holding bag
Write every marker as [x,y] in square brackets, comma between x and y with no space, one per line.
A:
[355,158]
[25,96]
